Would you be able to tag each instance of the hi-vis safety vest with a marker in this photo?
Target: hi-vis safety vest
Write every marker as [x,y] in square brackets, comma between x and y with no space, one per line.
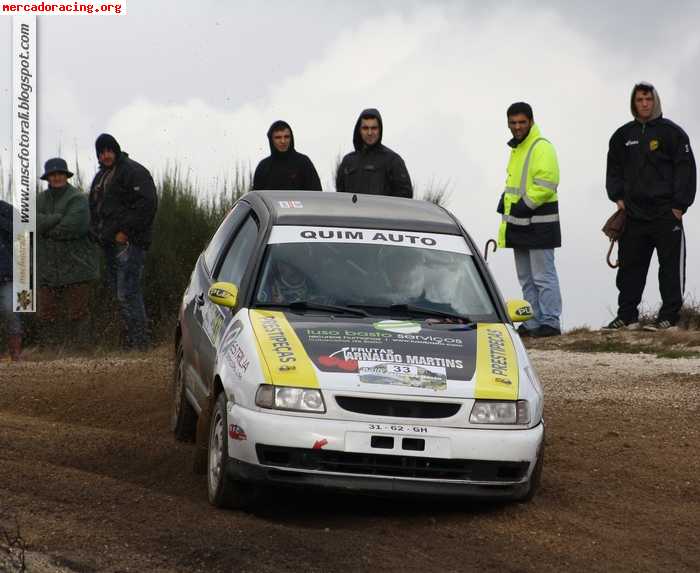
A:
[533,177]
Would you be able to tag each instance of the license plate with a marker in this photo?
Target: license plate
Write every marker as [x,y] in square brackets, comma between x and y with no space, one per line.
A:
[403,428]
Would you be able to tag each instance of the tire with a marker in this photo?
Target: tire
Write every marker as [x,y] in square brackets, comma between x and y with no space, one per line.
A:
[183,418]
[223,491]
[533,483]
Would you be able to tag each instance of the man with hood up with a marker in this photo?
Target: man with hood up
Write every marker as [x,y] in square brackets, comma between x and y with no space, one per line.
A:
[651,174]
[372,168]
[123,205]
[285,168]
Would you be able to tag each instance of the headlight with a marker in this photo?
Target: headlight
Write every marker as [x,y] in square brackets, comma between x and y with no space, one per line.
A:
[286,398]
[490,412]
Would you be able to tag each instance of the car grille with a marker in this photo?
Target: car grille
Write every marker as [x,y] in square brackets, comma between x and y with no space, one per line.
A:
[397,408]
[391,466]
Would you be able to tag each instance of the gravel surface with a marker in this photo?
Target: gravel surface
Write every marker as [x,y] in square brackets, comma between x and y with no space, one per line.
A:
[90,472]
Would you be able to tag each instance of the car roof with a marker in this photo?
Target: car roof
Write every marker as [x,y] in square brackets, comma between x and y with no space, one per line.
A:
[332,209]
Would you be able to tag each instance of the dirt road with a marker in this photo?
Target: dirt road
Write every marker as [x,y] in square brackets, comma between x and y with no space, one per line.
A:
[96,482]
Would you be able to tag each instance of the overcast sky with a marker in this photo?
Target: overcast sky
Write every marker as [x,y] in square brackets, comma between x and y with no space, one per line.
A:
[200,83]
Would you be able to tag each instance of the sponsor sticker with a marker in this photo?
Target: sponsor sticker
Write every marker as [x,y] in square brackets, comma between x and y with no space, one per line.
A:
[282,351]
[237,359]
[398,326]
[496,363]
[394,374]
[340,350]
[236,433]
[290,204]
[434,241]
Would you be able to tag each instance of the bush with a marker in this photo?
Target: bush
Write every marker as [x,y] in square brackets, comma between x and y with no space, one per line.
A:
[185,220]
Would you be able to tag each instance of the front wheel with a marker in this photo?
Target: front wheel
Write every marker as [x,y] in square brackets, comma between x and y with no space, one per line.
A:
[223,491]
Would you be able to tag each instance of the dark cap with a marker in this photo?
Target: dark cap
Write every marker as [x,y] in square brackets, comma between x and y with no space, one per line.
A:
[55,165]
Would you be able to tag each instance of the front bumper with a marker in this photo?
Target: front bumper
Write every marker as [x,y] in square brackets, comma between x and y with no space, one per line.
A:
[381,457]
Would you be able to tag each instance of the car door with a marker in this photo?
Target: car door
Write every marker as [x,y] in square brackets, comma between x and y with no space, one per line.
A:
[230,267]
[194,339]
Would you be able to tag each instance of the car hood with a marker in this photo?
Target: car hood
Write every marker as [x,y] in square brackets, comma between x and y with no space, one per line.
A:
[371,355]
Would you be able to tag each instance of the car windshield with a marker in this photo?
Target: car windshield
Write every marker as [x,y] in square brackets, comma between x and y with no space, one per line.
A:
[381,278]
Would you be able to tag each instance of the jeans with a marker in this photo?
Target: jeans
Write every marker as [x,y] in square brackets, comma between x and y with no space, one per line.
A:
[540,284]
[124,272]
[13,324]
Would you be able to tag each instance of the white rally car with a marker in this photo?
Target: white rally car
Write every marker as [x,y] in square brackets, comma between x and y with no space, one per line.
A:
[356,343]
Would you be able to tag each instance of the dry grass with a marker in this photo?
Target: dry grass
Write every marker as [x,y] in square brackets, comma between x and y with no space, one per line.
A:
[673,344]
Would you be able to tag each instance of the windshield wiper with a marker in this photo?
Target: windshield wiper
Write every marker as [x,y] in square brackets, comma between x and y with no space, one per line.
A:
[427,311]
[308,305]
[416,309]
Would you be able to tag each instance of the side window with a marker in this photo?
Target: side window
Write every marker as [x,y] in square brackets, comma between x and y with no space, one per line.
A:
[223,234]
[239,253]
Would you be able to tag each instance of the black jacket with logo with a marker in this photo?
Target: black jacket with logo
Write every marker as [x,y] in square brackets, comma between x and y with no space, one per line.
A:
[288,170]
[651,168]
[373,170]
[124,199]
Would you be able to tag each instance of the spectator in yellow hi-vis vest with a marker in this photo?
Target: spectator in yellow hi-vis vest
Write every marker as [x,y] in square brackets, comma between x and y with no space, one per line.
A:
[530,220]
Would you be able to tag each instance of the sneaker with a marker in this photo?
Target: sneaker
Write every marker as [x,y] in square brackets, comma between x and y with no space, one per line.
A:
[525,332]
[545,331]
[660,325]
[619,324]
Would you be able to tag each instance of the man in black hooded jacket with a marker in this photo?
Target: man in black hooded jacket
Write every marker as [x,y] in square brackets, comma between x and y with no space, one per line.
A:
[372,168]
[651,175]
[285,168]
[123,205]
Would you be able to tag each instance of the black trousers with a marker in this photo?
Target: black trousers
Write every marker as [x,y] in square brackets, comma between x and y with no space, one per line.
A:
[636,248]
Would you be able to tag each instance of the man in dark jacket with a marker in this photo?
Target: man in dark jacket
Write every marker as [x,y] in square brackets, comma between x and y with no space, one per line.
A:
[651,174]
[13,326]
[123,205]
[285,168]
[372,168]
[66,257]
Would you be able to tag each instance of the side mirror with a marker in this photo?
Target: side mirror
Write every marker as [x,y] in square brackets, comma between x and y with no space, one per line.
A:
[519,310]
[223,294]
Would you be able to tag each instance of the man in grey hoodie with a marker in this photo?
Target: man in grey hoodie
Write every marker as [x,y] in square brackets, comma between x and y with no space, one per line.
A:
[651,174]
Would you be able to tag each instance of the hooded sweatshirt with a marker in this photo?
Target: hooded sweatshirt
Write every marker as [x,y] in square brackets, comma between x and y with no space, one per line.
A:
[285,170]
[651,166]
[373,169]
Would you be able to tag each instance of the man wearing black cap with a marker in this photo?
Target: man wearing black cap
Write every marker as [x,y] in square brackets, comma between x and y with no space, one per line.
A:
[285,168]
[66,258]
[123,205]
[372,168]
